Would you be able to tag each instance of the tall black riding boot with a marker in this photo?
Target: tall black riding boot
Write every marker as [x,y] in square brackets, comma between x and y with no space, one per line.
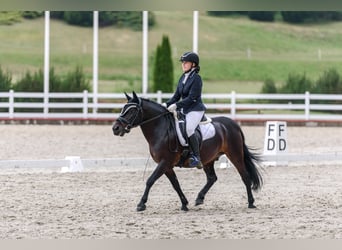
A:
[195,159]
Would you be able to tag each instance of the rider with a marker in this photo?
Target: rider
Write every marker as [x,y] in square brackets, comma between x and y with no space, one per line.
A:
[187,98]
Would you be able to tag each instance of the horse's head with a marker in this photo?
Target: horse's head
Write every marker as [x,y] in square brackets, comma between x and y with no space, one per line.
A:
[130,117]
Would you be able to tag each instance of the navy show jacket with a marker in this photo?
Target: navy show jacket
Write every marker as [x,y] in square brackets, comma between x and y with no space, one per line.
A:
[188,95]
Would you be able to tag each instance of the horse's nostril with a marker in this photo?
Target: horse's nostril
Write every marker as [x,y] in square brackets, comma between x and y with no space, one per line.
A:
[115,128]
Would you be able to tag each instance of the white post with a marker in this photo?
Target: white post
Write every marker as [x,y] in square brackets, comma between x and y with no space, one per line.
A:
[95,59]
[85,104]
[159,96]
[307,105]
[46,62]
[249,53]
[145,53]
[11,104]
[233,105]
[195,32]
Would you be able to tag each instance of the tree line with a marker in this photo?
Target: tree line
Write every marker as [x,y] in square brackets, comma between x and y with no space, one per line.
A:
[133,19]
[294,17]
[129,19]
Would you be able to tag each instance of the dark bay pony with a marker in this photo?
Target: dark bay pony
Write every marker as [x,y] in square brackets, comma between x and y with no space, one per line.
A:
[157,125]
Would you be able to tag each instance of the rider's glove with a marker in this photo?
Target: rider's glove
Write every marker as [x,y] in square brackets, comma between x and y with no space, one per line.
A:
[172,107]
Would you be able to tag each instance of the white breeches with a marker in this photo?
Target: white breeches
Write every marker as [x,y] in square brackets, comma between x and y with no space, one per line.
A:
[193,118]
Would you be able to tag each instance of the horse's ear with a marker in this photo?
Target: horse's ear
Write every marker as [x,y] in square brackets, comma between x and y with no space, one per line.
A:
[128,97]
[135,97]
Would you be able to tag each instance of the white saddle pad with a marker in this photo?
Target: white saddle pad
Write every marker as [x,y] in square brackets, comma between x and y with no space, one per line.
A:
[207,131]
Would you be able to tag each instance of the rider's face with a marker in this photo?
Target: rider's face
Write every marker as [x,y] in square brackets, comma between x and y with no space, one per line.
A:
[186,66]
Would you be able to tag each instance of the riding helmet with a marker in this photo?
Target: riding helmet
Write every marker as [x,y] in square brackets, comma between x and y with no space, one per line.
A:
[190,57]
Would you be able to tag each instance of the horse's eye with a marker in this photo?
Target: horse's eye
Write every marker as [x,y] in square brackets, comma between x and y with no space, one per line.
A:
[129,115]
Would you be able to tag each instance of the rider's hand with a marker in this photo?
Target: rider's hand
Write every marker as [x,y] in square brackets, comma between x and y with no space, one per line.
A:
[164,104]
[172,107]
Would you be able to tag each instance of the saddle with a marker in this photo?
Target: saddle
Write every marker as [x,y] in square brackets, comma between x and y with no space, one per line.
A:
[182,128]
[204,126]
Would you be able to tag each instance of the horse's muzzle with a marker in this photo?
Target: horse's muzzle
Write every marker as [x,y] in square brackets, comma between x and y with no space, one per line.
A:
[118,129]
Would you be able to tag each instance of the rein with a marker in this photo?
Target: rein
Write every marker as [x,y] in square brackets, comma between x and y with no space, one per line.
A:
[153,118]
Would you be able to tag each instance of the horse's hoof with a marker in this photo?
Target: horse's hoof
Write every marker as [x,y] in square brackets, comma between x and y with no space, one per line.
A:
[251,206]
[141,207]
[185,208]
[199,202]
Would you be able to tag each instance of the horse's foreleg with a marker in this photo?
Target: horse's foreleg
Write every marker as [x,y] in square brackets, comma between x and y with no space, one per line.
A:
[171,175]
[159,171]
[211,179]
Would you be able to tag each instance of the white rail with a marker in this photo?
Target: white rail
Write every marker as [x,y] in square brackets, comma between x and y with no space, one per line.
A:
[304,107]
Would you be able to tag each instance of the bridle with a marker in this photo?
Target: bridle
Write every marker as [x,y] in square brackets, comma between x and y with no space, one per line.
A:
[132,121]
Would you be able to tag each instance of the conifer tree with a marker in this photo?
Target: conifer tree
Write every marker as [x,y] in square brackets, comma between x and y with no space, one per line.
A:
[163,67]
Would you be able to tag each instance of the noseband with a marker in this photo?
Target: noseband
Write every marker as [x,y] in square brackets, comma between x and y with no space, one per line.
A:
[135,119]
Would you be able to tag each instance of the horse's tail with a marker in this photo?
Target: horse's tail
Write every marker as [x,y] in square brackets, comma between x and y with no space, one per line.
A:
[251,160]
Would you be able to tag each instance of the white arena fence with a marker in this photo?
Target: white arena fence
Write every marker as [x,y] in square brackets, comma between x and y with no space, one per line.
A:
[306,107]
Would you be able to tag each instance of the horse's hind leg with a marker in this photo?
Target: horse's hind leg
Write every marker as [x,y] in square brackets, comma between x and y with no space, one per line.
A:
[240,166]
[171,175]
[211,179]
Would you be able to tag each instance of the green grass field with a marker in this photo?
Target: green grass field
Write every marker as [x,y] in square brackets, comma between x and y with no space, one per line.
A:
[236,53]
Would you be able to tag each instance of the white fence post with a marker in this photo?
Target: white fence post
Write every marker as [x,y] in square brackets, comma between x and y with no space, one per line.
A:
[85,104]
[11,104]
[233,105]
[249,53]
[307,105]
[159,96]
